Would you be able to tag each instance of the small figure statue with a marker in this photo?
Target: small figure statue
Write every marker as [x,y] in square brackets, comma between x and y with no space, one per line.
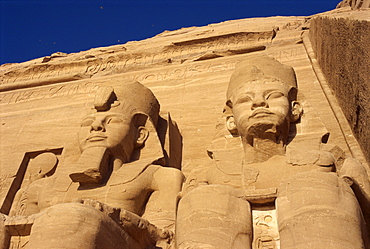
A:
[118,194]
[253,179]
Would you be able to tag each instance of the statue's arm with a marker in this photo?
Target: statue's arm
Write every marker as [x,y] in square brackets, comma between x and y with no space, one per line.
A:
[4,233]
[15,208]
[161,207]
[20,221]
[137,227]
[26,200]
[197,177]
[354,173]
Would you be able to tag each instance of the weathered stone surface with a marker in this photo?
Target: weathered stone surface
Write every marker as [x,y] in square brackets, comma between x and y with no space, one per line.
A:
[354,4]
[44,100]
[117,194]
[341,45]
[266,188]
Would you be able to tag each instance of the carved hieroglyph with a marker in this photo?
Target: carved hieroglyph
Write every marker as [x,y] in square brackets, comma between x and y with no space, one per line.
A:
[232,203]
[116,195]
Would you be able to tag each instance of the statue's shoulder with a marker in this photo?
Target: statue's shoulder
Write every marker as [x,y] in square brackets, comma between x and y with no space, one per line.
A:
[167,173]
[197,176]
[40,183]
[313,157]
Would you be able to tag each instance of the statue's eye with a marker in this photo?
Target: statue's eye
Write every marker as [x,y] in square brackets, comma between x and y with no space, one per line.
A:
[275,95]
[113,120]
[87,121]
[244,99]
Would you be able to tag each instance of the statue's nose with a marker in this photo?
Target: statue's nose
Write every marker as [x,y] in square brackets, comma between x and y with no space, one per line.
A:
[97,125]
[259,102]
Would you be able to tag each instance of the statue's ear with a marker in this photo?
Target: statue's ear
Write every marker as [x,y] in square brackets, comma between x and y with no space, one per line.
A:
[230,120]
[230,125]
[142,133]
[142,136]
[297,111]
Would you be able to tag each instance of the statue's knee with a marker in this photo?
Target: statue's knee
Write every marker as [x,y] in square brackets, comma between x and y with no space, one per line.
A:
[220,199]
[73,210]
[70,214]
[314,188]
[213,215]
[313,198]
[314,191]
[83,225]
[4,234]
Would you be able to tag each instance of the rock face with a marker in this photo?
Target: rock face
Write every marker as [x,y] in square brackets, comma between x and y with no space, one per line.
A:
[343,37]
[268,188]
[127,186]
[354,4]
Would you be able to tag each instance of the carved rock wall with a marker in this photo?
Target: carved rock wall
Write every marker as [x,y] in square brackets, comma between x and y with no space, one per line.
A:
[42,101]
[341,44]
[354,4]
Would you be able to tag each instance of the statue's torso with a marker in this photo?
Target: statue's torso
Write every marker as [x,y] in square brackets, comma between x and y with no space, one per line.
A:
[259,179]
[130,195]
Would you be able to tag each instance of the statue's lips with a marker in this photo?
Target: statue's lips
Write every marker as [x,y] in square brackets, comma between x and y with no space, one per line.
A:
[96,137]
[260,113]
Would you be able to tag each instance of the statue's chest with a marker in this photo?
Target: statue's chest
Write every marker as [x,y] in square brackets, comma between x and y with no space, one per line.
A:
[269,174]
[264,175]
[129,196]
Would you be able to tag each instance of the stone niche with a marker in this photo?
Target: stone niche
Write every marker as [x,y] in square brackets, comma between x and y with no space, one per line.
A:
[43,101]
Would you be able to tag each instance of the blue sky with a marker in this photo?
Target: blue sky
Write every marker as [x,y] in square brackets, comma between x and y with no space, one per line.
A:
[30,29]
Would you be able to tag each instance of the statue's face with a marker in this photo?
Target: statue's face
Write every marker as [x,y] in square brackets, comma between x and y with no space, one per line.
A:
[107,129]
[260,103]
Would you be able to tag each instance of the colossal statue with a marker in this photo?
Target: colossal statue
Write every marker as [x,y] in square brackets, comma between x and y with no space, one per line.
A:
[257,195]
[117,195]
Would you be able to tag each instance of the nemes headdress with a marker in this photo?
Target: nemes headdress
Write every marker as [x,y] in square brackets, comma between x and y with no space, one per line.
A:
[130,98]
[260,67]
